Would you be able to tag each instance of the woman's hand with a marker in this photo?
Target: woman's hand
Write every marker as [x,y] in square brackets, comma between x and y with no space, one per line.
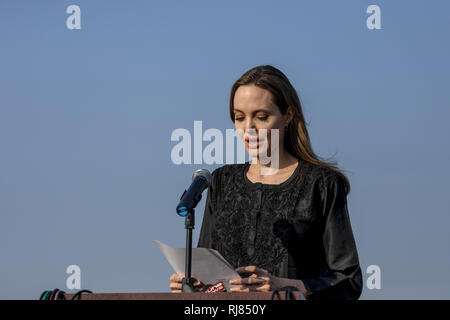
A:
[176,283]
[260,280]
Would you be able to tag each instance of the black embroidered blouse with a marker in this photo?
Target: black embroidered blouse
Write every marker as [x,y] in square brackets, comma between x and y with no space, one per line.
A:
[299,229]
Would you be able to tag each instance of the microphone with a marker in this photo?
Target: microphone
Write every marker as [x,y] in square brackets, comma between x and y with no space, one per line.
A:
[201,179]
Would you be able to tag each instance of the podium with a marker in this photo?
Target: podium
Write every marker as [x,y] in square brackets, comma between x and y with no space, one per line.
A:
[183,296]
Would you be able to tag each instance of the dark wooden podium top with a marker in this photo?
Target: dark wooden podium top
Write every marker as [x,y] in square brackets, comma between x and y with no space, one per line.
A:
[182,296]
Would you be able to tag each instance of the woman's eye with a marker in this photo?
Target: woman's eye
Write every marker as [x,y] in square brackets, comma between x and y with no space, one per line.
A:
[238,119]
[263,118]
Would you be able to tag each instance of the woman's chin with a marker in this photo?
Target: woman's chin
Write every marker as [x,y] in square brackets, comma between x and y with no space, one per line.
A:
[257,153]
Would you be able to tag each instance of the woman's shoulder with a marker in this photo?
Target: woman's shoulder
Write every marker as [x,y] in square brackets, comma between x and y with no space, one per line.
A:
[320,174]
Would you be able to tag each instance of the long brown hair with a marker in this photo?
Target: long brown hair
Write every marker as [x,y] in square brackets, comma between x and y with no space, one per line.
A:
[296,141]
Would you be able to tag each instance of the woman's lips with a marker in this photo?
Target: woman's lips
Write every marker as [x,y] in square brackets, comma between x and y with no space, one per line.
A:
[252,143]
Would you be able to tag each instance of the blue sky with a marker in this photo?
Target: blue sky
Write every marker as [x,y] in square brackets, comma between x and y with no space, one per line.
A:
[86,118]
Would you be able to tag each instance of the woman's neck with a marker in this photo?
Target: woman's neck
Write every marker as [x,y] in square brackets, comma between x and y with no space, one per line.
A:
[286,162]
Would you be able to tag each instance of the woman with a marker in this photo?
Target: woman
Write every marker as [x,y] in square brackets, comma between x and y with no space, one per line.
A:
[290,227]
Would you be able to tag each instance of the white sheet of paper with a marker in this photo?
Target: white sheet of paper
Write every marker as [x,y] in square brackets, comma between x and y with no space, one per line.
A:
[208,265]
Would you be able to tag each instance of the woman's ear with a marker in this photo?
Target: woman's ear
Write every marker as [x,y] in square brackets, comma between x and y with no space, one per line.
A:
[289,115]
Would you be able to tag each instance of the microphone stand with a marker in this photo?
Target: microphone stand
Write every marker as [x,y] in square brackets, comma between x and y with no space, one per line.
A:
[188,281]
[189,224]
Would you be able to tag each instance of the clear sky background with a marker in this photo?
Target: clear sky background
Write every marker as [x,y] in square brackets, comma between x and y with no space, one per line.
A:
[86,118]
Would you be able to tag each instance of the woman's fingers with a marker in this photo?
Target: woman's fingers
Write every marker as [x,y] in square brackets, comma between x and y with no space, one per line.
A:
[258,281]
[252,269]
[197,283]
[240,289]
[176,280]
[176,277]
[175,286]
[263,288]
[250,280]
[179,285]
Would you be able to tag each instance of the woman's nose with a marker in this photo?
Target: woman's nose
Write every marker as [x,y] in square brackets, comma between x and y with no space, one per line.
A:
[250,127]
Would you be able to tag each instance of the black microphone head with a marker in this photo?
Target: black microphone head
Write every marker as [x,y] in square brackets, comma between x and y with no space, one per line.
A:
[201,180]
[203,173]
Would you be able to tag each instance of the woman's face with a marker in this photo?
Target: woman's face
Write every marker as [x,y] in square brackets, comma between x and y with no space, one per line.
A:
[254,110]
